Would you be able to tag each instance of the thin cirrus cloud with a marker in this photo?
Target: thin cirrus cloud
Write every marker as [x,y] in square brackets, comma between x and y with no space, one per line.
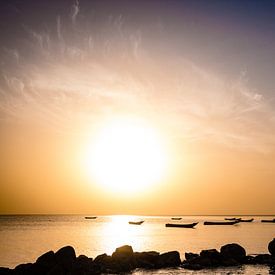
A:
[77,73]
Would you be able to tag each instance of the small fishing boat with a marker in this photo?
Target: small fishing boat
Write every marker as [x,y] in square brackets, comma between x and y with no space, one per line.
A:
[221,223]
[136,223]
[232,219]
[248,220]
[182,225]
[90,218]
[176,218]
[272,221]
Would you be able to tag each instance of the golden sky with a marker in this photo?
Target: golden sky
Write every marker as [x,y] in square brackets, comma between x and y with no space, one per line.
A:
[192,80]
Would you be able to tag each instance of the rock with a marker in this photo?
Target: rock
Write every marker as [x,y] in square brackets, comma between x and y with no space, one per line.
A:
[169,259]
[233,251]
[192,266]
[271,247]
[198,262]
[263,259]
[125,250]
[103,263]
[5,271]
[23,269]
[148,260]
[189,256]
[207,259]
[27,269]
[123,259]
[249,260]
[82,266]
[212,256]
[229,262]
[46,262]
[57,270]
[65,257]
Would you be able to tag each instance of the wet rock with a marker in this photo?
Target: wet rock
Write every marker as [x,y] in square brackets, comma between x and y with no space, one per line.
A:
[5,271]
[190,256]
[107,264]
[233,251]
[229,262]
[65,257]
[263,259]
[271,247]
[249,259]
[82,266]
[212,256]
[169,259]
[27,269]
[125,250]
[57,270]
[102,262]
[46,262]
[123,259]
[148,260]
[207,259]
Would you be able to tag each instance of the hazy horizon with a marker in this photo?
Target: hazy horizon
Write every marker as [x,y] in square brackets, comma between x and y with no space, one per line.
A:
[153,107]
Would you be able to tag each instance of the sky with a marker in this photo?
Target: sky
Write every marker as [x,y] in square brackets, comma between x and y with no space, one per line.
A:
[200,73]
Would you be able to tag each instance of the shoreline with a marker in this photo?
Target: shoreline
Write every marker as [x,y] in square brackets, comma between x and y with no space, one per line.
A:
[124,259]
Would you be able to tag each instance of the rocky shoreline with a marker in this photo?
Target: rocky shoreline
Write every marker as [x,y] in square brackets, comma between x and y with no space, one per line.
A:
[124,259]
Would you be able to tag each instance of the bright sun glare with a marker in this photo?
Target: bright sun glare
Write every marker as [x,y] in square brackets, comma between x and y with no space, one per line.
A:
[126,156]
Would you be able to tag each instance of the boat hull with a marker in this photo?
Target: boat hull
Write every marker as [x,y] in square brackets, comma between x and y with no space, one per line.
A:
[189,225]
[136,223]
[221,223]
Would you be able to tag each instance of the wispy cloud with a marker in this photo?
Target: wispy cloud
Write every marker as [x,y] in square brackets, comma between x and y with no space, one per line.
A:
[76,79]
[74,11]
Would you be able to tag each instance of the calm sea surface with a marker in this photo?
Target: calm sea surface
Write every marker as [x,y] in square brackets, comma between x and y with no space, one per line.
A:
[24,238]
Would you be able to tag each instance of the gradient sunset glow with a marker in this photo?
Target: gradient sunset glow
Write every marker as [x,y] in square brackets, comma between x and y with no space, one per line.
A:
[179,94]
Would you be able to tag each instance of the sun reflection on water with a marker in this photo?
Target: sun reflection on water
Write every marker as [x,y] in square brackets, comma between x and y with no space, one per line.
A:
[119,232]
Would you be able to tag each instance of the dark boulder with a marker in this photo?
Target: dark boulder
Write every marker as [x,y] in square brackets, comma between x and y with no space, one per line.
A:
[124,251]
[82,266]
[230,262]
[263,259]
[148,260]
[27,269]
[233,251]
[271,247]
[23,269]
[169,259]
[123,258]
[211,256]
[5,271]
[57,270]
[198,263]
[190,256]
[249,259]
[104,263]
[46,262]
[65,257]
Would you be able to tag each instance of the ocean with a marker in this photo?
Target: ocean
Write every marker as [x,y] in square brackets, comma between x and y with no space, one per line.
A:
[25,237]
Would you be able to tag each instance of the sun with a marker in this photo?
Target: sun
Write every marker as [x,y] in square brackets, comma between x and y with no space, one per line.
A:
[126,156]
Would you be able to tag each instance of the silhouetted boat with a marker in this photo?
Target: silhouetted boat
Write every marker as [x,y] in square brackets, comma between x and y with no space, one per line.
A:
[272,221]
[90,218]
[248,220]
[137,223]
[232,219]
[176,219]
[182,225]
[221,223]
